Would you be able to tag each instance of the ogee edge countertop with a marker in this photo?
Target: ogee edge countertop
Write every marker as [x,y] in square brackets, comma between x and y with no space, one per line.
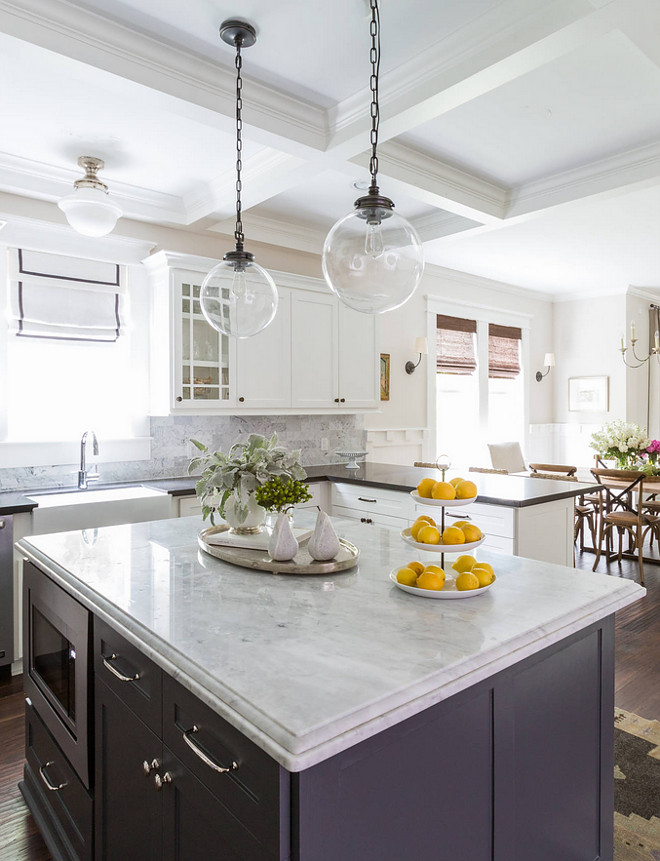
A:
[308,666]
[513,491]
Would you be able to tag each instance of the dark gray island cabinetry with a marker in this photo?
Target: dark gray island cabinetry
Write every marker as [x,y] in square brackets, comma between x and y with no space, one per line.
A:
[238,715]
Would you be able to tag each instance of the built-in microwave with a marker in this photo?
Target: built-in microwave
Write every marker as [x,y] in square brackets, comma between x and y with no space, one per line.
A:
[56,654]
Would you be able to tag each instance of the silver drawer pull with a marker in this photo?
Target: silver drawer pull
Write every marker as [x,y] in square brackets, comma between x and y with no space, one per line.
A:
[2,524]
[44,777]
[365,499]
[159,781]
[458,516]
[200,753]
[115,672]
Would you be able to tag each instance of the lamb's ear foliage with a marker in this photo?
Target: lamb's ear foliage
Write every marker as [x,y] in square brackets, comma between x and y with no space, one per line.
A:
[246,467]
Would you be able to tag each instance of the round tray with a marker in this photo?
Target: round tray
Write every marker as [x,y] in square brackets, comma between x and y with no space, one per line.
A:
[449,593]
[302,562]
[441,548]
[444,503]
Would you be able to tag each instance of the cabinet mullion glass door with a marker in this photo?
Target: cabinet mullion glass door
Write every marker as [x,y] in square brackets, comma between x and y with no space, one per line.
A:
[204,352]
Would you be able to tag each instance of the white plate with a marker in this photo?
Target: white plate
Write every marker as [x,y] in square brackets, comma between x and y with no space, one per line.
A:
[441,548]
[447,503]
[450,592]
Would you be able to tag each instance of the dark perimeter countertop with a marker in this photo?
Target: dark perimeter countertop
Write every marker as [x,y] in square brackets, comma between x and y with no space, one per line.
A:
[512,491]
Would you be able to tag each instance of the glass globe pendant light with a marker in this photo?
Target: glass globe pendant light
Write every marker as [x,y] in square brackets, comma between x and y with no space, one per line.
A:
[238,297]
[373,258]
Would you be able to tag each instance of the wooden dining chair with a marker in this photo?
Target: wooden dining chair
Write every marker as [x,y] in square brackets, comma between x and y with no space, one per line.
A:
[486,469]
[558,468]
[618,510]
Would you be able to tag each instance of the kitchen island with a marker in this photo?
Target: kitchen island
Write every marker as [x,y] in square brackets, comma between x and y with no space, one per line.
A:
[355,722]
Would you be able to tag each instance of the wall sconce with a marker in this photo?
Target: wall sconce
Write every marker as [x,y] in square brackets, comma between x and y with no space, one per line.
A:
[549,362]
[421,347]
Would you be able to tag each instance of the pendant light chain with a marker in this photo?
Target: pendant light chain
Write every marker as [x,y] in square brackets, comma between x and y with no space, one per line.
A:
[374,56]
[238,232]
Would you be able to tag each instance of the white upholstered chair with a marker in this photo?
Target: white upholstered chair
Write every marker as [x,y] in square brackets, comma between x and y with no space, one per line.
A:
[507,455]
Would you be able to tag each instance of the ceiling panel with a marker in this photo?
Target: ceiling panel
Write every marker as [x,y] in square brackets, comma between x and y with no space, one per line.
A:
[589,104]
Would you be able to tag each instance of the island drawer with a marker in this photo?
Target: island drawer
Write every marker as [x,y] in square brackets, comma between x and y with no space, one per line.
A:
[252,791]
[491,519]
[370,517]
[133,677]
[59,791]
[375,500]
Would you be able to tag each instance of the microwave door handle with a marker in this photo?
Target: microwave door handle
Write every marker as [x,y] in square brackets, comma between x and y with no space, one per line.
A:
[115,672]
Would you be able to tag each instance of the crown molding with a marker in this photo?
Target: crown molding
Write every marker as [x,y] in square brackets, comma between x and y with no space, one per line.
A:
[106,44]
[34,179]
[464,278]
[651,294]
[439,224]
[635,166]
[275,231]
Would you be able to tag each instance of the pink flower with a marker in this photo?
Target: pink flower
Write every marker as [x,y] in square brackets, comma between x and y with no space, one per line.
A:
[653,447]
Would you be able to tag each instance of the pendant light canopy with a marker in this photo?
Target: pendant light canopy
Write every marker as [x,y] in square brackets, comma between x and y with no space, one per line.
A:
[238,297]
[89,209]
[373,258]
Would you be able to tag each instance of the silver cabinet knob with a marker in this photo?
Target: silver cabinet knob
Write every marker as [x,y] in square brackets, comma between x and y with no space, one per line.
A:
[147,767]
[160,781]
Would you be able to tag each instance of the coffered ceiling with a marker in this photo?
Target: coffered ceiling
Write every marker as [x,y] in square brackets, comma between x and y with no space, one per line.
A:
[522,137]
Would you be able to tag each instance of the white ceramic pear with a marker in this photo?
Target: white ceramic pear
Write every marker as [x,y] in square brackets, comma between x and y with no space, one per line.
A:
[283,544]
[324,544]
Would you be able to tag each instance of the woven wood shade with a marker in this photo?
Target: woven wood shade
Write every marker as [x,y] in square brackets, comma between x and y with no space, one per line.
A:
[455,345]
[503,352]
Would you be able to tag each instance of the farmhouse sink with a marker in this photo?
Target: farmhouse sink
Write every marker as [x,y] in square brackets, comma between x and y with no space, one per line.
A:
[81,509]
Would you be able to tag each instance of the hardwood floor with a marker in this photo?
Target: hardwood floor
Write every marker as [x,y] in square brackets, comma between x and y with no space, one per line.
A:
[637,690]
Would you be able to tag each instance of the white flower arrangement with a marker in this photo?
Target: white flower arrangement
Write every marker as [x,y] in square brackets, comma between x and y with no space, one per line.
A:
[622,441]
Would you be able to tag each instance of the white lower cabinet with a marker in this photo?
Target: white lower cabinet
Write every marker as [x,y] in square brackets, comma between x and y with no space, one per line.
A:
[372,504]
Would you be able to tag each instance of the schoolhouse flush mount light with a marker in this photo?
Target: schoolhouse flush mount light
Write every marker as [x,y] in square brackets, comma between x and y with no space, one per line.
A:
[373,258]
[89,209]
[549,362]
[238,297]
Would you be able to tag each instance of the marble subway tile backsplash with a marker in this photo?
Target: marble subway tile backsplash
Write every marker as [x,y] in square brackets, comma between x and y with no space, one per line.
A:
[170,450]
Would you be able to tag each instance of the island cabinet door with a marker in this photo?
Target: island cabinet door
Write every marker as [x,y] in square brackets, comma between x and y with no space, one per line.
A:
[420,790]
[128,814]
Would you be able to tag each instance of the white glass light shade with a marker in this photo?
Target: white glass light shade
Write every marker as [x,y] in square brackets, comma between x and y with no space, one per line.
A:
[373,268]
[238,300]
[421,346]
[89,211]
[549,360]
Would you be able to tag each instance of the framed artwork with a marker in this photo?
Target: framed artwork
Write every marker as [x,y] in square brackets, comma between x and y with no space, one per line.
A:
[384,376]
[588,394]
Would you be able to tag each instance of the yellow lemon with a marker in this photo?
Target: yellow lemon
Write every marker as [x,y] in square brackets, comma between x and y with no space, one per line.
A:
[416,528]
[426,517]
[464,563]
[487,566]
[406,576]
[461,523]
[455,481]
[471,532]
[453,535]
[467,581]
[436,569]
[443,490]
[483,575]
[466,490]
[431,580]
[417,567]
[428,535]
[425,487]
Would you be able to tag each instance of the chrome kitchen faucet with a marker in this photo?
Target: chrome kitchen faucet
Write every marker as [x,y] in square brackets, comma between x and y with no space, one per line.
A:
[83,475]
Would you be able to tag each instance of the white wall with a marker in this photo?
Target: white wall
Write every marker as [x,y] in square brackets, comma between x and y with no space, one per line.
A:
[407,407]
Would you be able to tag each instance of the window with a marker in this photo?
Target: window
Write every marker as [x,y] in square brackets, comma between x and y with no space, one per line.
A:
[479,388]
[72,358]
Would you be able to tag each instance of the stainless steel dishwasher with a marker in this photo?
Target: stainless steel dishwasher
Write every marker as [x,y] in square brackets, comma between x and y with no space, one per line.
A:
[6,589]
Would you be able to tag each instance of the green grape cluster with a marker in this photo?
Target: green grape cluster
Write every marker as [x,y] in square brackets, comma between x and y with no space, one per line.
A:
[278,494]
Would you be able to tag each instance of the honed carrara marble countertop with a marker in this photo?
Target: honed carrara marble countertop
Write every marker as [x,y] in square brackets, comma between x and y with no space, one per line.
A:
[308,666]
[514,491]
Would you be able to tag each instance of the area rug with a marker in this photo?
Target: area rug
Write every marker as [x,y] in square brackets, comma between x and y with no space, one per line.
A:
[636,788]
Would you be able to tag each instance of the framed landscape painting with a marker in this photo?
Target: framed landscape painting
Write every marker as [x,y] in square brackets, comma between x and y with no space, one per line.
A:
[384,376]
[588,394]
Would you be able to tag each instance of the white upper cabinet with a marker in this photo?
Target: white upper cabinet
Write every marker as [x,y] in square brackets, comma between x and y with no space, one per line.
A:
[316,356]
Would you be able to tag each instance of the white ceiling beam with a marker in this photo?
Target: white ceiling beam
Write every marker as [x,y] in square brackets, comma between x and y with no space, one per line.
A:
[276,118]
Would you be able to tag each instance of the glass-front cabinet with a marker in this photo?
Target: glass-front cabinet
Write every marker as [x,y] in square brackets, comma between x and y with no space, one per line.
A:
[204,351]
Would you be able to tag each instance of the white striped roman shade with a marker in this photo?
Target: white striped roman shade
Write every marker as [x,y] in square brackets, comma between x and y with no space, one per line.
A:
[65,298]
